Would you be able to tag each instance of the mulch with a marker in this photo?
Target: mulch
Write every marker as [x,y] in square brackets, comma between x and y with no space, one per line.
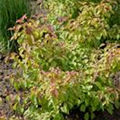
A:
[7,91]
[76,115]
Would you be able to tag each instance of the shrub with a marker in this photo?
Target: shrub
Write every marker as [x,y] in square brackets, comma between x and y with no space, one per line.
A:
[62,70]
[10,11]
[94,22]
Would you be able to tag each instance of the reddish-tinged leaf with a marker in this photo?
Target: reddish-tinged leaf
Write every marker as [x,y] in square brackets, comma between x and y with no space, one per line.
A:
[50,28]
[28,30]
[21,19]
[55,92]
[13,28]
[62,19]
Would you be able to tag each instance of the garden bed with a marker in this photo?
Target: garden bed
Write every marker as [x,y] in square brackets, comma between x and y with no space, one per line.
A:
[66,62]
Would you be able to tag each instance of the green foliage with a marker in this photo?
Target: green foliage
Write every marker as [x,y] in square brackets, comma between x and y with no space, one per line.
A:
[63,63]
[93,23]
[10,11]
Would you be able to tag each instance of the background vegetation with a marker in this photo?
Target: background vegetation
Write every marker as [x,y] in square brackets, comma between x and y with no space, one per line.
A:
[10,11]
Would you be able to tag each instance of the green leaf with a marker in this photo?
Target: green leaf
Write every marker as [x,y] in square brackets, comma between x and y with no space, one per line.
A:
[86,116]
[17,86]
[58,117]
[118,36]
[94,104]
[92,115]
[117,104]
[98,84]
[34,100]
[78,101]
[110,109]
[87,101]
[83,108]
[65,109]
[15,106]
[21,109]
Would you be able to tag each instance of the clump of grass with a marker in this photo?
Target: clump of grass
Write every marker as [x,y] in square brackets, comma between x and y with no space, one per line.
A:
[10,11]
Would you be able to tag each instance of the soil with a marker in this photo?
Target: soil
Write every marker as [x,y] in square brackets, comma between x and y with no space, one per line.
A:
[76,115]
[7,91]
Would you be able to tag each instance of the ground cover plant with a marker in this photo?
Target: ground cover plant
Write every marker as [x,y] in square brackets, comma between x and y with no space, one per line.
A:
[10,11]
[68,58]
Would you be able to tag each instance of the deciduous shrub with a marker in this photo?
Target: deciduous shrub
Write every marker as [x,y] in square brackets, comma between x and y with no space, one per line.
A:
[62,67]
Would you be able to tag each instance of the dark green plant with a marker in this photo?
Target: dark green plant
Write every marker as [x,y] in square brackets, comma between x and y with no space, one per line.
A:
[10,11]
